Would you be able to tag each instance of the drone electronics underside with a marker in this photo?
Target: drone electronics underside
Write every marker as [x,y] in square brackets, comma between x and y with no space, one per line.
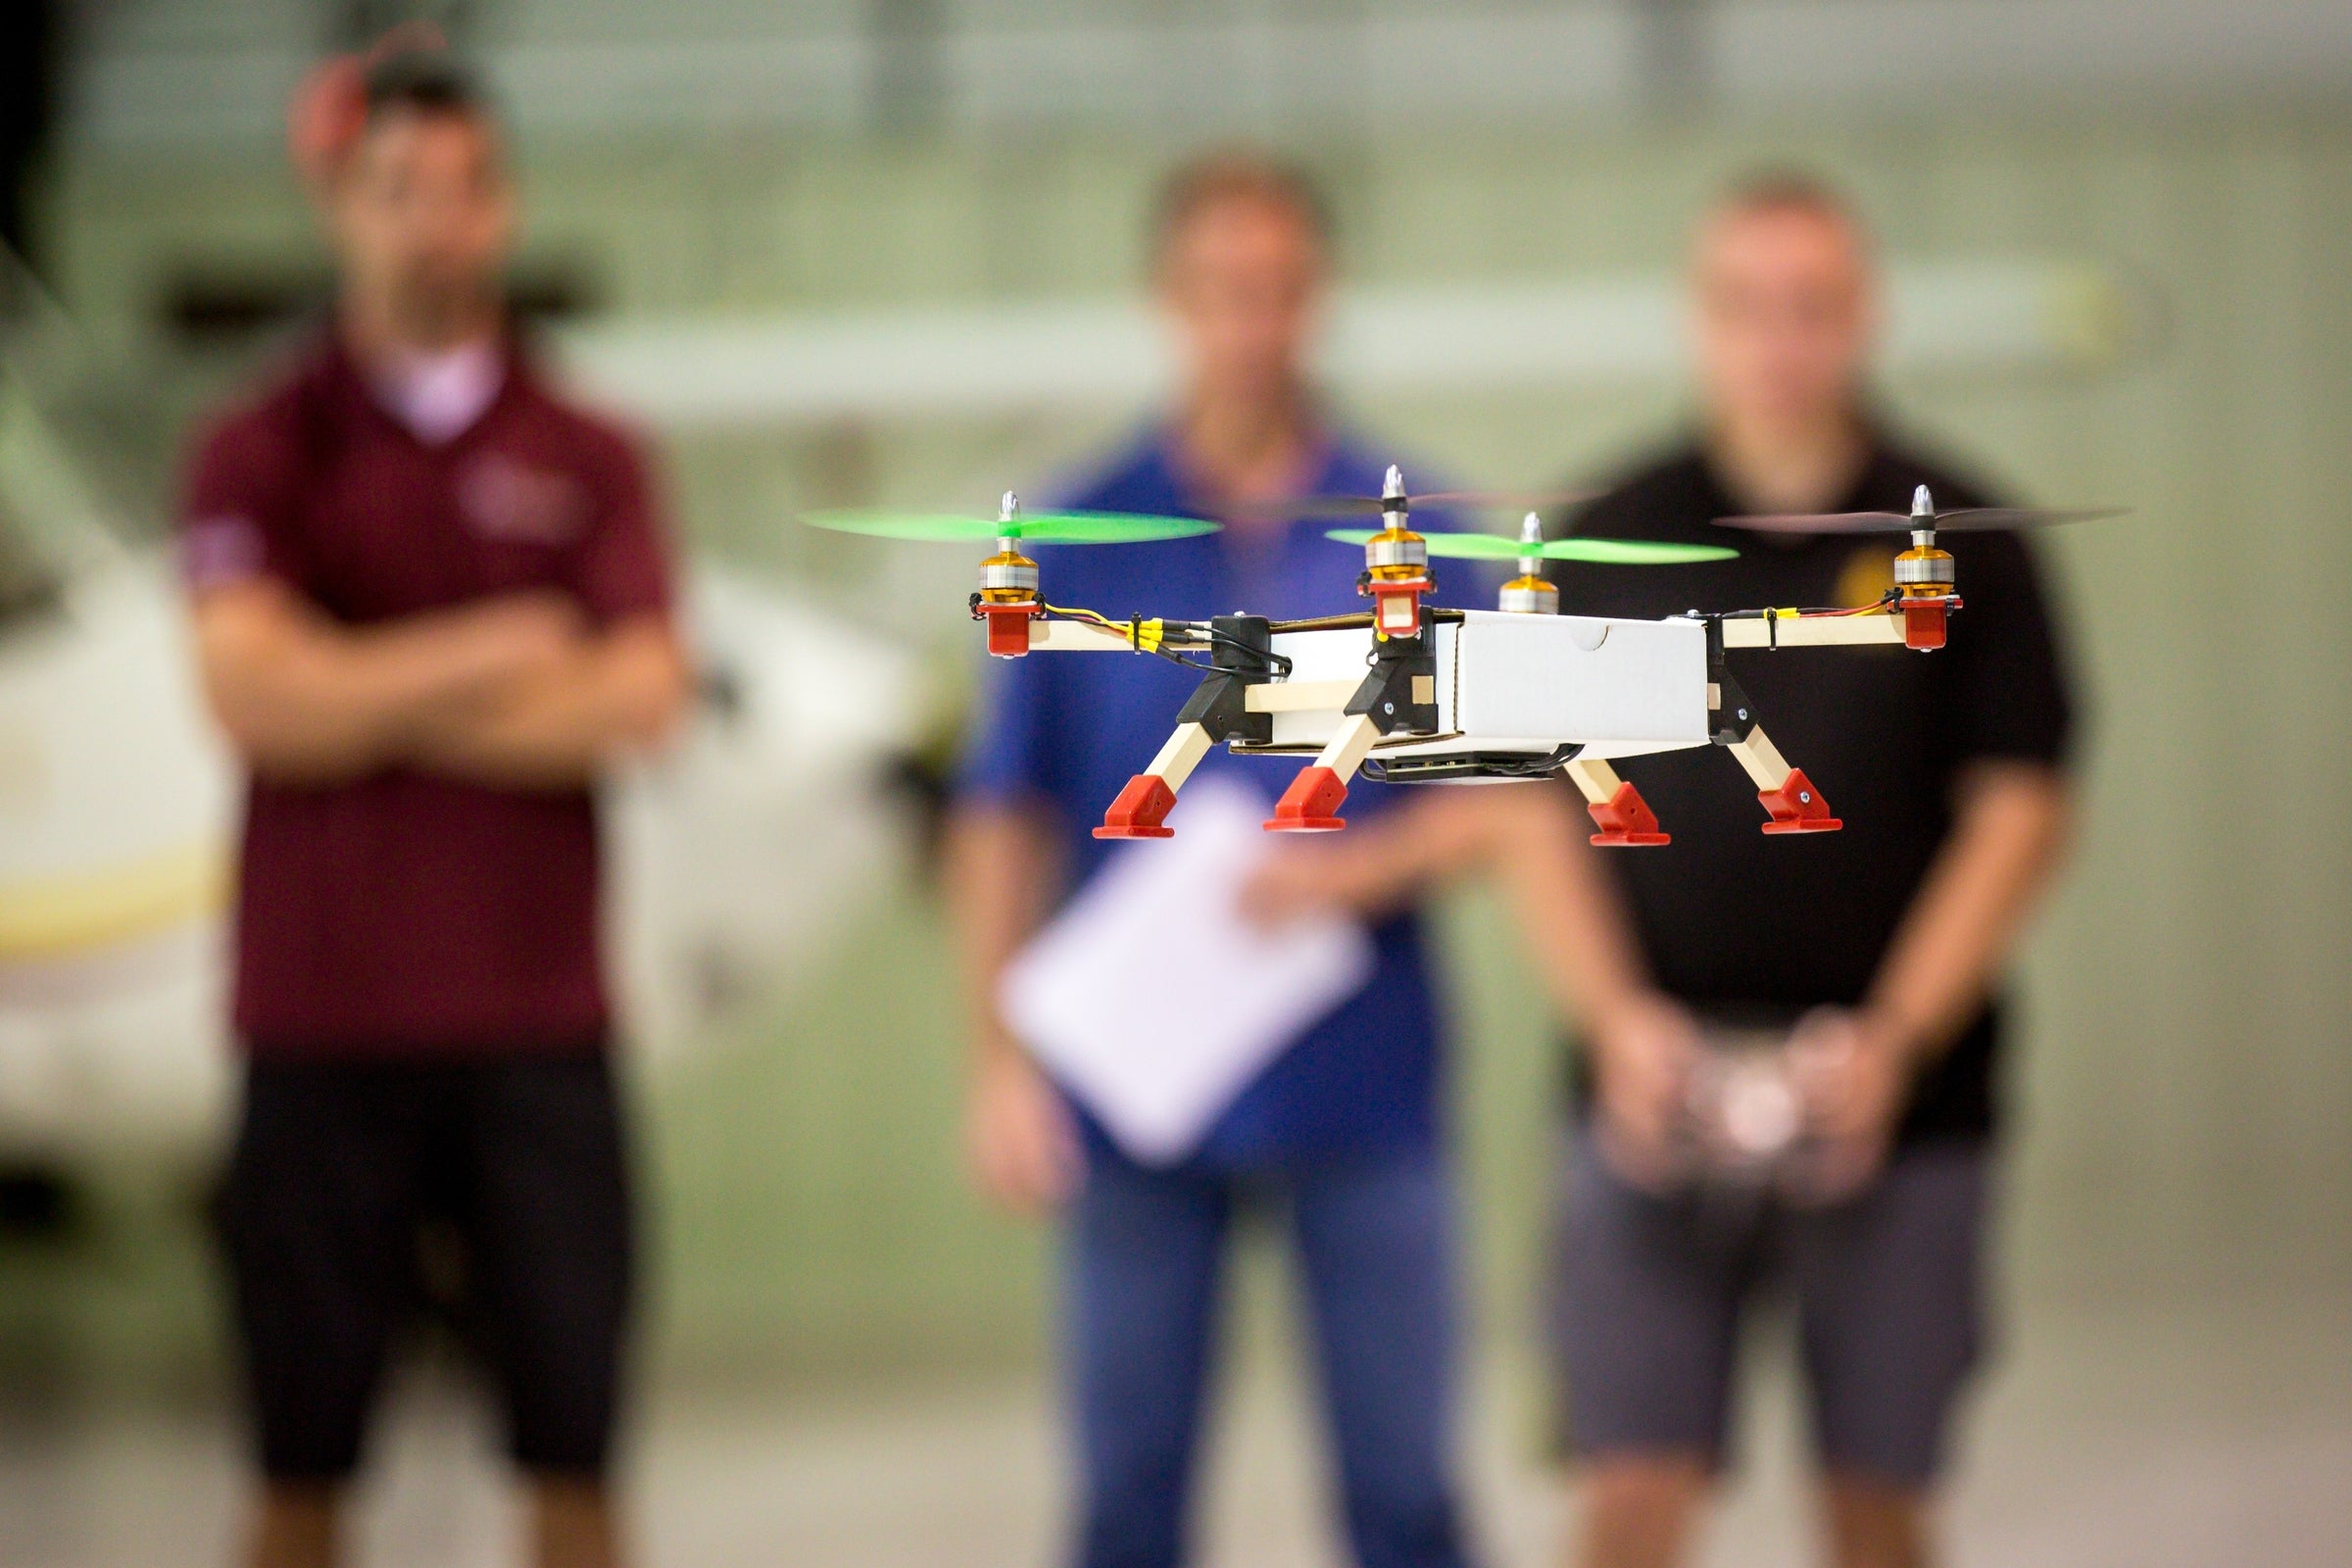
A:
[1472,695]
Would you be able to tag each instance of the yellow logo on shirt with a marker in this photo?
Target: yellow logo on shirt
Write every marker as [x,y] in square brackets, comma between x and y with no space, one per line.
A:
[1867,578]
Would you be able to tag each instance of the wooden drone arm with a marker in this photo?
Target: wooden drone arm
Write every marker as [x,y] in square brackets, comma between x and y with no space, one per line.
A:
[1301,696]
[1076,637]
[1792,630]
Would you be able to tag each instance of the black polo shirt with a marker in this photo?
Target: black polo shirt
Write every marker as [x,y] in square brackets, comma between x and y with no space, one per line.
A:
[1745,925]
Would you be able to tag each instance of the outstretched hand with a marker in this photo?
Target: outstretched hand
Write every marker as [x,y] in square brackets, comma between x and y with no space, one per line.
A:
[1371,871]
[1329,875]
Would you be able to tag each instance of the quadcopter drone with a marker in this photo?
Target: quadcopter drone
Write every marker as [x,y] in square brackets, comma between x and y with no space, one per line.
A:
[1412,693]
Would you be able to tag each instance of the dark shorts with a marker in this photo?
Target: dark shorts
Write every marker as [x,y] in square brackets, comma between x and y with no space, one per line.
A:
[339,1170]
[1887,1288]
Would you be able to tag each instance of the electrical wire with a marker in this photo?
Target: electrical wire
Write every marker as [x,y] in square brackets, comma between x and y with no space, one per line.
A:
[1143,636]
[1149,636]
[1813,613]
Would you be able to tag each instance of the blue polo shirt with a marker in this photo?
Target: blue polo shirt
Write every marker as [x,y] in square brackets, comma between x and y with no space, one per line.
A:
[1064,732]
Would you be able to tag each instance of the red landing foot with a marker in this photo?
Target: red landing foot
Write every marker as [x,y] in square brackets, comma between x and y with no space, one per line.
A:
[1139,810]
[1797,807]
[1626,821]
[1310,804]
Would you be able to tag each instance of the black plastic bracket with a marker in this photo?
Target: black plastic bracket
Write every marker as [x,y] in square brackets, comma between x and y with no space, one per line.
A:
[1401,691]
[1241,656]
[1730,717]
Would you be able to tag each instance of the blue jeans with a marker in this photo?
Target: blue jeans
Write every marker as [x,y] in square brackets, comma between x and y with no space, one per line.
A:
[1375,1246]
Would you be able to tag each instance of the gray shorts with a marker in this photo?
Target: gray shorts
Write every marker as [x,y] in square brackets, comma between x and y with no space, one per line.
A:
[1650,1289]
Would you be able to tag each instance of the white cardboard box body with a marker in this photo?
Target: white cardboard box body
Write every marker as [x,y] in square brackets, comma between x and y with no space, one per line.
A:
[1531,683]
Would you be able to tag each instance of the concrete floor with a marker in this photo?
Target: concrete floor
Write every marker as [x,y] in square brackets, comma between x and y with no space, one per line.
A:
[2138,1437]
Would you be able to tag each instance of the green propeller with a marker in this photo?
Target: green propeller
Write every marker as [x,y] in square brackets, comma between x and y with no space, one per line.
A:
[1603,552]
[1039,528]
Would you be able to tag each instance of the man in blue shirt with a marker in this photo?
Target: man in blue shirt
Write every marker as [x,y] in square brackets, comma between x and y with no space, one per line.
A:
[1339,1132]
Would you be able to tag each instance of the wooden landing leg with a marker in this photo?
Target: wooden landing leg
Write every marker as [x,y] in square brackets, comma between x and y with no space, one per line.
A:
[1311,804]
[1624,818]
[1795,806]
[1142,808]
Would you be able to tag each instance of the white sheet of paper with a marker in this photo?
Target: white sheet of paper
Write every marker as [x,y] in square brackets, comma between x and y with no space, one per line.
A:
[1151,1001]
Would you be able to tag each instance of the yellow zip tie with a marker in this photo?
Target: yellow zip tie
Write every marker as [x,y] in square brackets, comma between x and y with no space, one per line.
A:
[1143,636]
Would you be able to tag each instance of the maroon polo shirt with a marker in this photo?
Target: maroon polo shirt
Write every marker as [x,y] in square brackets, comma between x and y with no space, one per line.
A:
[405,915]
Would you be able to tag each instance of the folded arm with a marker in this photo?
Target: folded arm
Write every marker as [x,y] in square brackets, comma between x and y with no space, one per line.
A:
[508,690]
[608,695]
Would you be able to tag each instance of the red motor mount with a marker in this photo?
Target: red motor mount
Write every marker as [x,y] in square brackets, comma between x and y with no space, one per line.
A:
[1007,626]
[1924,620]
[1396,604]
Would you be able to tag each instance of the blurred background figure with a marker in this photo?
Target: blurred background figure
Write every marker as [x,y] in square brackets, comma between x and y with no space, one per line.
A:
[1338,1139]
[432,604]
[1877,951]
[28,48]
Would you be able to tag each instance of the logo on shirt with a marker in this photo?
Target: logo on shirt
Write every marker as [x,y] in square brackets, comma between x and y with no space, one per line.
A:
[217,550]
[505,499]
[1867,578]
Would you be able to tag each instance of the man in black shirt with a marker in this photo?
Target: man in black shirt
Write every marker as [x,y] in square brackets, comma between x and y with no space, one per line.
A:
[1869,954]
[1879,945]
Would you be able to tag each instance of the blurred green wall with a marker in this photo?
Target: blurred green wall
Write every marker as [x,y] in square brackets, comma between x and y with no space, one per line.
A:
[2186,1081]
